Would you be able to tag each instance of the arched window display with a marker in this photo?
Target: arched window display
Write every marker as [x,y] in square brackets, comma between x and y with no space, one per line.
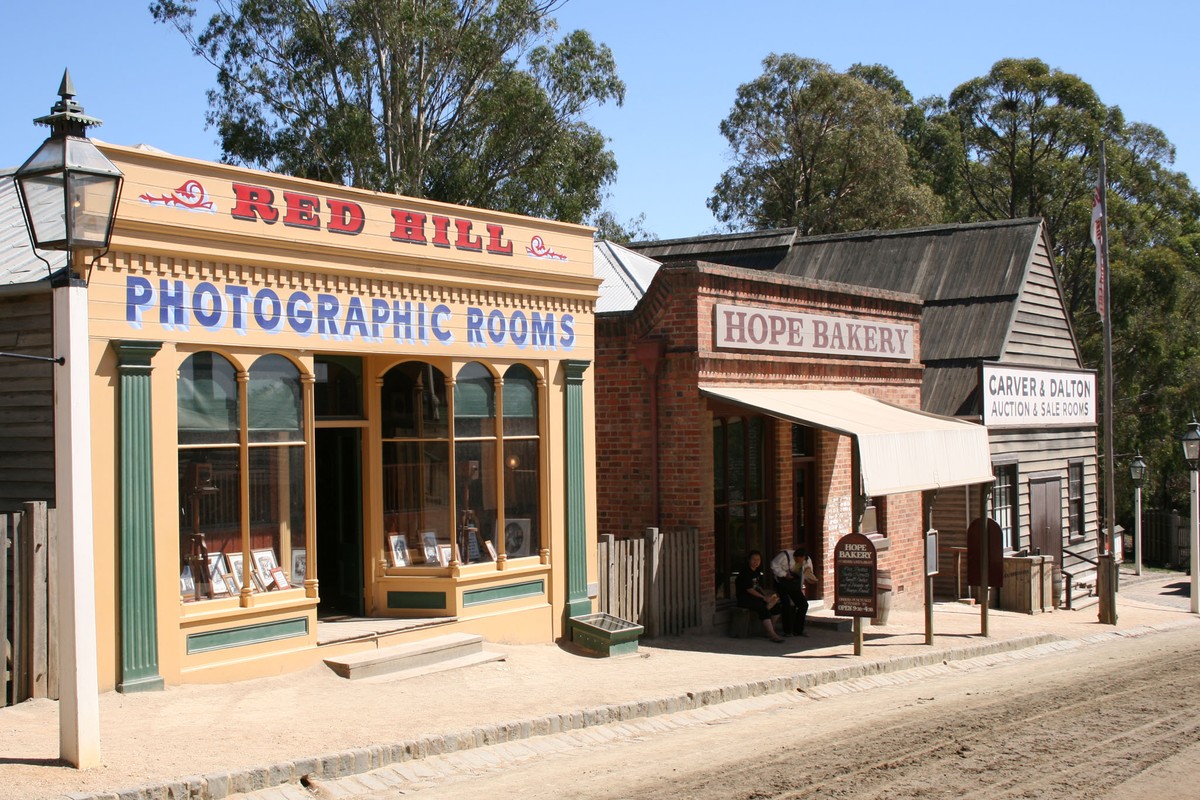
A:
[475,462]
[522,481]
[416,466]
[226,509]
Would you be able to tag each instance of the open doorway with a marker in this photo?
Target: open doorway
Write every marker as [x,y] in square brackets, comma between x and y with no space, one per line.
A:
[340,521]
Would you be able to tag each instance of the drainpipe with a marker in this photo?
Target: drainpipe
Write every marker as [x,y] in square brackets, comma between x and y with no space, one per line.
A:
[650,354]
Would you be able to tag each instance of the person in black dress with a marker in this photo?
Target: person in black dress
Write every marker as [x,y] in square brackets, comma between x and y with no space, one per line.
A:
[751,593]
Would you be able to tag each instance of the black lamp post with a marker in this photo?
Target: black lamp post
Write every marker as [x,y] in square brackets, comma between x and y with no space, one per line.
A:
[1137,474]
[68,192]
[1191,454]
[68,189]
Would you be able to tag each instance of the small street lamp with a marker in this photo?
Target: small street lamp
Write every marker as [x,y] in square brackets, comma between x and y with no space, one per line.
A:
[1137,474]
[68,192]
[1191,454]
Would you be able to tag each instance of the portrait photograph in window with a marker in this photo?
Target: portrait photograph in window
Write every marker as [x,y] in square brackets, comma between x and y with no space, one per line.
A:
[299,565]
[398,549]
[429,546]
[517,537]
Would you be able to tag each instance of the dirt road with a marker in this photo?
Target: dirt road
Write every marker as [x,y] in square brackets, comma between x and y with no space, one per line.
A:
[1115,720]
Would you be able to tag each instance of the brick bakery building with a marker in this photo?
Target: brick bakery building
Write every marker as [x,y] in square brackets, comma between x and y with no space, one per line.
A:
[766,411]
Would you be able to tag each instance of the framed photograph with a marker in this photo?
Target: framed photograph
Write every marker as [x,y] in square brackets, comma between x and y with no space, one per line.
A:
[256,582]
[429,546]
[491,549]
[444,554]
[516,537]
[232,583]
[216,565]
[235,565]
[398,549]
[187,584]
[278,579]
[264,562]
[299,566]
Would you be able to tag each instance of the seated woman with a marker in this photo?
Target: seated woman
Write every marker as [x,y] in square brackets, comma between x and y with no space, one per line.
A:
[752,595]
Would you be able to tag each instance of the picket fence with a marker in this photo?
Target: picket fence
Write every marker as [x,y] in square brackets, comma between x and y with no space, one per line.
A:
[28,579]
[653,580]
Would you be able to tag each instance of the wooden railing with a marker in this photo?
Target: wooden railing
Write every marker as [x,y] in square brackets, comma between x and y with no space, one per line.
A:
[28,577]
[653,580]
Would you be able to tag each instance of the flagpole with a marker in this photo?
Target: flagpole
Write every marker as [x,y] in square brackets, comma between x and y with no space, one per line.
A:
[1107,567]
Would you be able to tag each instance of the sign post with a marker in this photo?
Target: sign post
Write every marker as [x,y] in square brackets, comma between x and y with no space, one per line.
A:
[931,569]
[985,563]
[855,568]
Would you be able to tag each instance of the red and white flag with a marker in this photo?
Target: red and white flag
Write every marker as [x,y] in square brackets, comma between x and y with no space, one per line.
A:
[1097,233]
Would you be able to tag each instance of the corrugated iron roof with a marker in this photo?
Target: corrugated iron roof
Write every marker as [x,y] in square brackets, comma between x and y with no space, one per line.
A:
[626,276]
[19,266]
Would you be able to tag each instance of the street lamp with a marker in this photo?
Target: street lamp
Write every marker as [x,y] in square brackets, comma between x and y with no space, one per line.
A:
[1191,454]
[1137,474]
[68,192]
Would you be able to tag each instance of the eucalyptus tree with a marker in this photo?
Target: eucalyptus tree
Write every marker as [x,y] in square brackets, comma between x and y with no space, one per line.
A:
[466,101]
[819,150]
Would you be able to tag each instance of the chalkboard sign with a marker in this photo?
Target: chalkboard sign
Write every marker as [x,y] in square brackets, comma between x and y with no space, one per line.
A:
[854,568]
[855,580]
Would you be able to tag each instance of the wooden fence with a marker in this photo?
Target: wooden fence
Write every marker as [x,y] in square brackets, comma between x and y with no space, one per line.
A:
[1165,540]
[653,580]
[28,584]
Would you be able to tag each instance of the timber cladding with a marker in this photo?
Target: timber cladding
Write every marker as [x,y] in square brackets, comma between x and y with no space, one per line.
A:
[26,401]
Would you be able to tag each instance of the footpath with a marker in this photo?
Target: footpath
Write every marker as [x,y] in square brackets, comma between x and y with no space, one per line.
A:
[212,742]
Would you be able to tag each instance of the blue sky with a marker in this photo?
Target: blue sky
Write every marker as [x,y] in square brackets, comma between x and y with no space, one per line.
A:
[682,61]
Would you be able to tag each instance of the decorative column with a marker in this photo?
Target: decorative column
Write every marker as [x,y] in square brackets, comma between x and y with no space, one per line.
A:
[578,602]
[135,479]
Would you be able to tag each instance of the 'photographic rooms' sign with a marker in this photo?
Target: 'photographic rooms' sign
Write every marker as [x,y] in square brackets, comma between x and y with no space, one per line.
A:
[752,328]
[1034,397]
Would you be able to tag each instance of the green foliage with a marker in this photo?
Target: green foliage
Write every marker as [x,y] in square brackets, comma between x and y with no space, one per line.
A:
[465,101]
[820,150]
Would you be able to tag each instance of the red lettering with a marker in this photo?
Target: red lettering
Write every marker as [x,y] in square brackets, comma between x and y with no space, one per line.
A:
[464,241]
[254,203]
[301,210]
[496,244]
[410,226]
[345,217]
[441,231]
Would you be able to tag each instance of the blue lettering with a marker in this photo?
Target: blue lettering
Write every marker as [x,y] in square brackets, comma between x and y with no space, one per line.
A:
[268,321]
[356,320]
[437,320]
[299,312]
[474,325]
[139,296]
[567,340]
[171,304]
[328,310]
[518,329]
[543,331]
[208,306]
[236,295]
[381,314]
[497,326]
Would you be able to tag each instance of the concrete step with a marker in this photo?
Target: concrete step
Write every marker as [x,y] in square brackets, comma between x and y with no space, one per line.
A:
[452,651]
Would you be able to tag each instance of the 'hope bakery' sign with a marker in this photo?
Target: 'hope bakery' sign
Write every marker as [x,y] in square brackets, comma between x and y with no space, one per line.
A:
[750,328]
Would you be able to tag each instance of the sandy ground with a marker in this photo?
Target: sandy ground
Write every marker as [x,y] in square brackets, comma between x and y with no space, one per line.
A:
[191,730]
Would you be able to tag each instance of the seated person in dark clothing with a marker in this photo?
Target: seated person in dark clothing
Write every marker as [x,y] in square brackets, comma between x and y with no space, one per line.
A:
[751,593]
[792,570]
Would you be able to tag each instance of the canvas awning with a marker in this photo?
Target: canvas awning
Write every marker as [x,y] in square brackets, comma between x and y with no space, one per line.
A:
[900,450]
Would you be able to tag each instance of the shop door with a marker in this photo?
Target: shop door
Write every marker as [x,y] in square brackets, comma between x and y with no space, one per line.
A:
[1045,518]
[806,531]
[339,520]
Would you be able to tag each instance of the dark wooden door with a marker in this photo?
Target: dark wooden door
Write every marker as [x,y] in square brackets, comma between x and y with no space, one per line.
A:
[1045,518]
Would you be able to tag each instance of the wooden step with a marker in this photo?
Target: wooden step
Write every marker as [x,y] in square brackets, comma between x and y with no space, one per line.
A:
[452,651]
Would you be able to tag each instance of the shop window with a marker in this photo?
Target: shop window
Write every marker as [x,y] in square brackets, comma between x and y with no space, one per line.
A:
[495,503]
[1004,503]
[226,512]
[739,495]
[338,390]
[1075,498]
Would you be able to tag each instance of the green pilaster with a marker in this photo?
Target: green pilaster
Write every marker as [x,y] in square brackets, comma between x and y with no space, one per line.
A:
[577,599]
[135,479]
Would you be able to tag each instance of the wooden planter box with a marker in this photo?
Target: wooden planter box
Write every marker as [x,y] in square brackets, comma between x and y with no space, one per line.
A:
[604,634]
[1028,584]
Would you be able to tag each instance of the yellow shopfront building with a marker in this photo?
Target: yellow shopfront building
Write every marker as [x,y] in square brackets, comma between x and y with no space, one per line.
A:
[313,403]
